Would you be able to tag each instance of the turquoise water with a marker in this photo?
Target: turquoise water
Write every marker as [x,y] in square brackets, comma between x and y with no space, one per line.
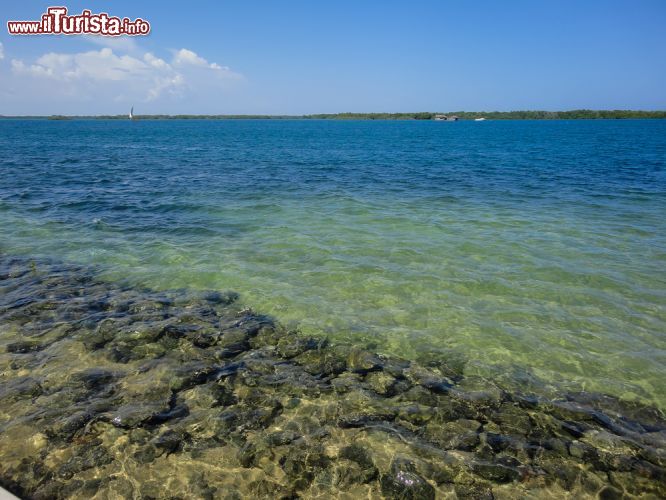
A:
[535,251]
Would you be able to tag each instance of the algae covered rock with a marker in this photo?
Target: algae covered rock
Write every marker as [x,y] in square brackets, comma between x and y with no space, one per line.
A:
[382,383]
[402,482]
[361,361]
[322,362]
[111,391]
[366,470]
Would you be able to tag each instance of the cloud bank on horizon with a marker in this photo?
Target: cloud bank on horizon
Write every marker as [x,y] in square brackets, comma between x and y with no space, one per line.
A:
[108,79]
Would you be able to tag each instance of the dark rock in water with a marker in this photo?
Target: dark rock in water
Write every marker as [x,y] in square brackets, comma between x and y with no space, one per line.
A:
[382,383]
[415,414]
[91,486]
[86,458]
[499,442]
[358,454]
[169,441]
[145,454]
[208,395]
[138,413]
[512,419]
[473,491]
[20,387]
[282,438]
[360,361]
[459,434]
[232,343]
[355,453]
[241,419]
[23,347]
[103,334]
[188,375]
[294,345]
[127,385]
[220,297]
[177,411]
[229,369]
[122,354]
[395,367]
[252,324]
[149,305]
[496,472]
[263,488]
[128,417]
[94,379]
[431,380]
[49,490]
[66,428]
[344,474]
[420,395]
[346,382]
[204,339]
[324,362]
[26,477]
[260,418]
[360,420]
[302,465]
[610,493]
[246,455]
[402,482]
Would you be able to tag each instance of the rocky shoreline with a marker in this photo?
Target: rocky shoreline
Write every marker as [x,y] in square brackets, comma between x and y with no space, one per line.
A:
[108,391]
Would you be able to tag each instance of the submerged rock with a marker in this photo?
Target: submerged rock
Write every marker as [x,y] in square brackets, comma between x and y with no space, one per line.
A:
[216,297]
[23,346]
[366,468]
[360,361]
[382,383]
[322,362]
[20,387]
[85,458]
[402,482]
[118,392]
[497,472]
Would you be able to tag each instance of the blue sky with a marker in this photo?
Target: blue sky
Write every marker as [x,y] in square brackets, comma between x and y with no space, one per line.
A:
[296,57]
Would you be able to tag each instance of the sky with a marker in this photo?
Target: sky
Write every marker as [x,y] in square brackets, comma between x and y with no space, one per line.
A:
[299,57]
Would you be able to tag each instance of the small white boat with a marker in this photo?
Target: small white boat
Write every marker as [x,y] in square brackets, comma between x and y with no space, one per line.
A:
[479,119]
[131,115]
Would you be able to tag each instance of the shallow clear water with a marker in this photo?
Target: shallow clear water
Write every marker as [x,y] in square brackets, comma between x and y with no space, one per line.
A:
[536,250]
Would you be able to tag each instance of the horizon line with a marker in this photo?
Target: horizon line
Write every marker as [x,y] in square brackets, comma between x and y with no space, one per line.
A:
[407,114]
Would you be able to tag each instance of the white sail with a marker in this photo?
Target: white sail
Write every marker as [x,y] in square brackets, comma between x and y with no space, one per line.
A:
[131,115]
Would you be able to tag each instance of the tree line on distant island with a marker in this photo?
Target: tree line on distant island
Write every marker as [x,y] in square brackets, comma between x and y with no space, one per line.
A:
[577,114]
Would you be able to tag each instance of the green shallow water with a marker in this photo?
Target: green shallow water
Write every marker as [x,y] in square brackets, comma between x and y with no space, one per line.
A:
[536,251]
[113,391]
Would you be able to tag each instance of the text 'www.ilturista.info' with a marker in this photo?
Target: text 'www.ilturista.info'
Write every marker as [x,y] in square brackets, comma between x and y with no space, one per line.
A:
[55,21]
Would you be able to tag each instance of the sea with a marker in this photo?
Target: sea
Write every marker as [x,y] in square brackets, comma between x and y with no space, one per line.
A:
[531,252]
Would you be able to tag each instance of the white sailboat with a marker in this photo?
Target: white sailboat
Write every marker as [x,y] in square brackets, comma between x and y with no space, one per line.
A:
[131,115]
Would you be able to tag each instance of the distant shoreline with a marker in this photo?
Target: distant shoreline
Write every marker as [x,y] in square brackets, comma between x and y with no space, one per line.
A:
[580,114]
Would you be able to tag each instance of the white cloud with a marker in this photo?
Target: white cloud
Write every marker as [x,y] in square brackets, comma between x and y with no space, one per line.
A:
[170,84]
[104,74]
[2,52]
[183,57]
[154,61]
[102,65]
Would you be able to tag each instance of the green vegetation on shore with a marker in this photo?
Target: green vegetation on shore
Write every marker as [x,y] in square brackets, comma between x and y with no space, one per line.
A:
[577,114]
